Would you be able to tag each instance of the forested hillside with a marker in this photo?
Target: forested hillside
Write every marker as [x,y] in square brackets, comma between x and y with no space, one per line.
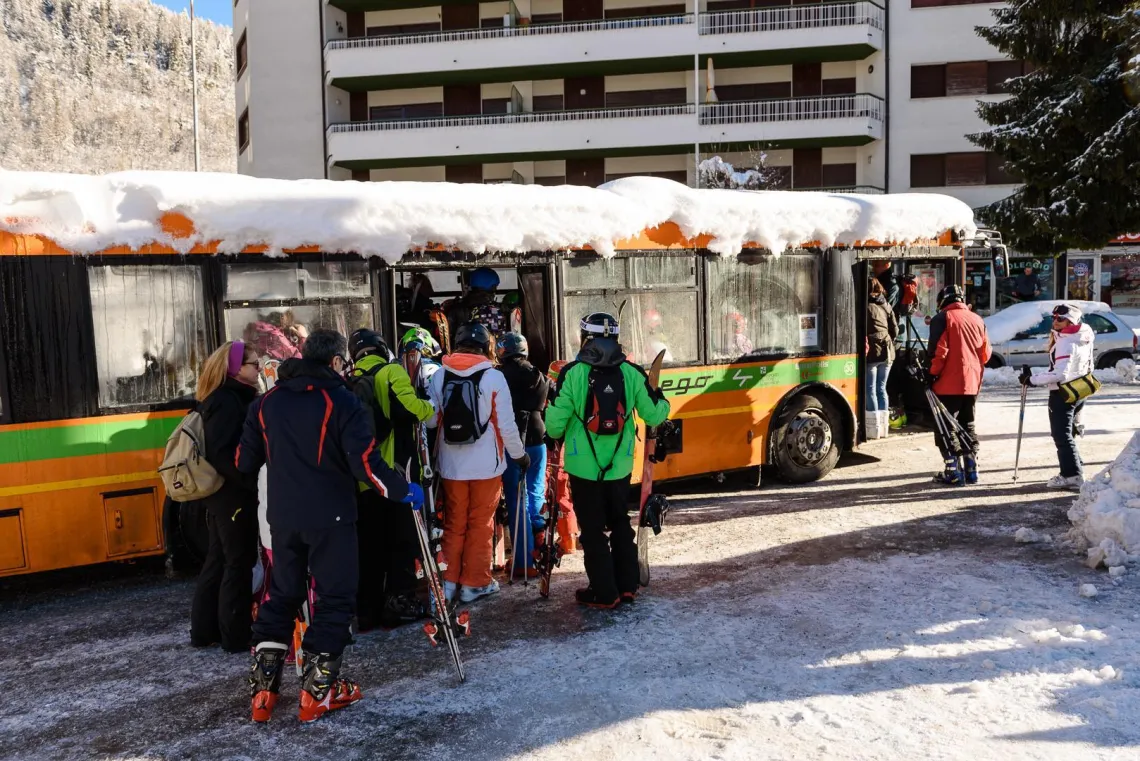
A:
[104,85]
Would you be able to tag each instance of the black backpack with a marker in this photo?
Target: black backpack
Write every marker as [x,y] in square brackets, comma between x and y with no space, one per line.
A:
[364,386]
[460,402]
[606,414]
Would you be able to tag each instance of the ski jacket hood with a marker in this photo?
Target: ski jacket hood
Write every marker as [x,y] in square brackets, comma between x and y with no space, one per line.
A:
[1070,357]
[959,348]
[601,352]
[305,375]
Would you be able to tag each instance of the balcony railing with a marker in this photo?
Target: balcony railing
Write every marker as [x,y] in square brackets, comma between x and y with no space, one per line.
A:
[487,120]
[793,109]
[812,16]
[494,33]
[867,190]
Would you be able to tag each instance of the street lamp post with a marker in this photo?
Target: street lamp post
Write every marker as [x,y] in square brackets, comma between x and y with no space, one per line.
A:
[194,86]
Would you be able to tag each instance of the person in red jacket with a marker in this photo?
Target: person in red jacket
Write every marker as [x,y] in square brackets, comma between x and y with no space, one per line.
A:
[959,350]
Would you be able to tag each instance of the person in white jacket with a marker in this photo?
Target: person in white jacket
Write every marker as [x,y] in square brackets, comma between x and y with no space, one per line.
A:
[477,433]
[1070,357]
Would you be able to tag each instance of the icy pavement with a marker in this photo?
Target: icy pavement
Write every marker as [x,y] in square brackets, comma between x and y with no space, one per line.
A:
[870,616]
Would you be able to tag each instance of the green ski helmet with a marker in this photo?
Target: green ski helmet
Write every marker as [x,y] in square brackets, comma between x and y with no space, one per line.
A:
[418,339]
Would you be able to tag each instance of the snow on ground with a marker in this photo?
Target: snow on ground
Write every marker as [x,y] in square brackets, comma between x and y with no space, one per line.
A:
[870,616]
[87,214]
[1106,516]
[1123,374]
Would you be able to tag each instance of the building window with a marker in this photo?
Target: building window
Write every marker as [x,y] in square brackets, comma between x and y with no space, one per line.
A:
[243,131]
[964,78]
[941,170]
[150,332]
[242,56]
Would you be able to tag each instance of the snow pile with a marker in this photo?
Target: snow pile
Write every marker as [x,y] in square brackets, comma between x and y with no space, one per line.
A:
[1003,326]
[1106,515]
[1088,590]
[87,214]
[1007,377]
[1026,535]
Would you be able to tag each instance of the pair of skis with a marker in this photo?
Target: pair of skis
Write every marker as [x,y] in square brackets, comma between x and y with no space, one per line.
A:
[653,507]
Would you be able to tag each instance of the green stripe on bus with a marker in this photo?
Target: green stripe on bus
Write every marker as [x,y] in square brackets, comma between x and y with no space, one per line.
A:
[743,377]
[104,437]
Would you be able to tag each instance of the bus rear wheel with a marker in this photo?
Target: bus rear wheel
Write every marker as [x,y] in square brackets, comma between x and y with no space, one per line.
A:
[805,444]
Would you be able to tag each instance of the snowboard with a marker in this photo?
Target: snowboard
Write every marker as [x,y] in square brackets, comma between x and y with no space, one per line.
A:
[645,527]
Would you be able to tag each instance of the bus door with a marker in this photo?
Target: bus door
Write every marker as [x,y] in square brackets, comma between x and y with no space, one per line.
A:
[539,312]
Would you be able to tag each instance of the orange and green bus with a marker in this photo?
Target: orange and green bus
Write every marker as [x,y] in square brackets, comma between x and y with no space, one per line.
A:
[98,356]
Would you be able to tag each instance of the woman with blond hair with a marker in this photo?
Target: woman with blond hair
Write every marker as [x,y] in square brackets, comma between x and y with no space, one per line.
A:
[222,600]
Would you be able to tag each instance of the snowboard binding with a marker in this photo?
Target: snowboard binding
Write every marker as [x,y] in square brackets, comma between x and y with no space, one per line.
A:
[656,508]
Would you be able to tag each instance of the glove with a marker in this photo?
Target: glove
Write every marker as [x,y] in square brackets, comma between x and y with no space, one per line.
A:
[1026,377]
[549,440]
[523,462]
[415,496]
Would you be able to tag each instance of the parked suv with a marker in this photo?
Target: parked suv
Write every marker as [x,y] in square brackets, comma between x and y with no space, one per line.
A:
[1020,334]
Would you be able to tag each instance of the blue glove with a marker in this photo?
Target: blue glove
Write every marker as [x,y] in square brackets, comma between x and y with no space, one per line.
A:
[415,496]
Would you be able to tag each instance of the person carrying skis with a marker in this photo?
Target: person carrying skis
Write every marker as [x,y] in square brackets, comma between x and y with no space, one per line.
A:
[959,349]
[475,419]
[1070,357]
[387,535]
[313,436]
[529,388]
[593,413]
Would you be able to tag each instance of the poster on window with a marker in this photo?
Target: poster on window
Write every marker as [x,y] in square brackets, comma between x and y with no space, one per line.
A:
[809,330]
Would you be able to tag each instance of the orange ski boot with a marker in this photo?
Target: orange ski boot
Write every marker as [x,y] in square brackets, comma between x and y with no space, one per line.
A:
[322,689]
[265,678]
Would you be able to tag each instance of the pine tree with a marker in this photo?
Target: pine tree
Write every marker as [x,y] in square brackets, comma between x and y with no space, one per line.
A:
[1071,130]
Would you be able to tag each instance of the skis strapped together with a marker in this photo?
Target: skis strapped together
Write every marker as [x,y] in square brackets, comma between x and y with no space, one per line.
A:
[653,506]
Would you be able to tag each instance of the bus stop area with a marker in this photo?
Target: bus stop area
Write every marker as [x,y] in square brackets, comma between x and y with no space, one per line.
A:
[870,612]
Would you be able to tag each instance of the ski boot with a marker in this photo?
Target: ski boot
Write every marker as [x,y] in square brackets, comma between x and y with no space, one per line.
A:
[952,475]
[265,678]
[588,597]
[322,689]
[402,609]
[970,473]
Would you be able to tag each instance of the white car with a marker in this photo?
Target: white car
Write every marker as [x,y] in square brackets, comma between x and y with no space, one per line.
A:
[1020,334]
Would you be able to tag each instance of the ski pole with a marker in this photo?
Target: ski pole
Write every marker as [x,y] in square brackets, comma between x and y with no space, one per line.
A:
[1020,424]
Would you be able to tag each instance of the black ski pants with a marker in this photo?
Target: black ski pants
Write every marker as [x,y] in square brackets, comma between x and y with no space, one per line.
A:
[611,561]
[330,555]
[386,533]
[223,598]
[961,406]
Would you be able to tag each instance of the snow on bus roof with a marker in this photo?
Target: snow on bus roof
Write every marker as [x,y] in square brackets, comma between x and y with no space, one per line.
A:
[87,214]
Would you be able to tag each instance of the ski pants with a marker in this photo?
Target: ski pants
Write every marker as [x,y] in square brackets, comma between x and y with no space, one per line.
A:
[386,534]
[611,561]
[1062,417]
[535,502]
[961,406]
[330,555]
[223,597]
[469,529]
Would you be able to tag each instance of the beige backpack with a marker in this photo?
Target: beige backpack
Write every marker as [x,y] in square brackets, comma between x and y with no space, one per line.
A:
[184,470]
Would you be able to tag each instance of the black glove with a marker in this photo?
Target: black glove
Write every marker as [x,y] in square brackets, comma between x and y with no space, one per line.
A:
[549,440]
[523,462]
[1026,377]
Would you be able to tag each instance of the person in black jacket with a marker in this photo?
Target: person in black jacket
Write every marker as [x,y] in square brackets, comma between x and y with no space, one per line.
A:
[311,432]
[223,598]
[529,388]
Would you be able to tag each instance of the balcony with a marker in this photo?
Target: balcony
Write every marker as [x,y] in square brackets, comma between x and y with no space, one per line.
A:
[841,31]
[835,120]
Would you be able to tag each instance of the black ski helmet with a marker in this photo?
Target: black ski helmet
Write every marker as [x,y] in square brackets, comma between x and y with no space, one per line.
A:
[512,345]
[949,295]
[473,335]
[364,342]
[599,325]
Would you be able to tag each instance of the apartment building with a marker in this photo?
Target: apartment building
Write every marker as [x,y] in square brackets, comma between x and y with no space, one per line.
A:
[867,95]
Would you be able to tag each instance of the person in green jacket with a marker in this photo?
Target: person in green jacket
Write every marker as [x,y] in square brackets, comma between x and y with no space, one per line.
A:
[388,543]
[593,414]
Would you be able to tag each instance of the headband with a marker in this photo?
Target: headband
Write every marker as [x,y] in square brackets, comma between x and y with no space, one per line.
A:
[237,357]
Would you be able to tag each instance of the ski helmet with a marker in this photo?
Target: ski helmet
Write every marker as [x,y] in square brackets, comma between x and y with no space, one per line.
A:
[1068,312]
[473,335]
[950,294]
[364,342]
[418,339]
[483,279]
[599,325]
[512,345]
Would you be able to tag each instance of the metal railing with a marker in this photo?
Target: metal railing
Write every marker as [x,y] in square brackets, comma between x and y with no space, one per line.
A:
[811,16]
[867,190]
[540,117]
[495,33]
[793,109]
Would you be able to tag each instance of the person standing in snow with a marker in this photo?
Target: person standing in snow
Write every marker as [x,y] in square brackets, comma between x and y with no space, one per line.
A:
[882,329]
[1070,357]
[959,350]
[477,433]
[593,413]
[311,432]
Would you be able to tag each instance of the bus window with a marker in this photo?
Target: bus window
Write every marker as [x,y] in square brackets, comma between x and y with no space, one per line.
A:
[930,279]
[763,305]
[660,298]
[273,306]
[150,332]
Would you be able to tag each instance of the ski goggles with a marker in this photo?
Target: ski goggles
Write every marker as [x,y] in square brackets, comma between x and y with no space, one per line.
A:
[607,330]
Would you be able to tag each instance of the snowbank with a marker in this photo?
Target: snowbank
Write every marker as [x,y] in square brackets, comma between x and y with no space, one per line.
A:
[1107,512]
[1123,374]
[1014,319]
[87,214]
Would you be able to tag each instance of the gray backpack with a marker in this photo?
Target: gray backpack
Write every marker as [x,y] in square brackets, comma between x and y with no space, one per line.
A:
[184,470]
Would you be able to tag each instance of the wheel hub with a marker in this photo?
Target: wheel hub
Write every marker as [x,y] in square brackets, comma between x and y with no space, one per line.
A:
[809,438]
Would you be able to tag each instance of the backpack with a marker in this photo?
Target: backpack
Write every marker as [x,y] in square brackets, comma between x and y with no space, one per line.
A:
[184,470]
[460,403]
[490,315]
[606,414]
[364,386]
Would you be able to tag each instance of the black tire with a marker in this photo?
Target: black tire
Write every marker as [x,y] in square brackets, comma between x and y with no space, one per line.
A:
[1108,361]
[995,362]
[806,439]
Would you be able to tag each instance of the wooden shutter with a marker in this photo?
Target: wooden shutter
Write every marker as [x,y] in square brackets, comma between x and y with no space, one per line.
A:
[643,98]
[358,106]
[362,175]
[838,175]
[996,173]
[462,100]
[807,167]
[755,91]
[547,103]
[807,79]
[998,72]
[928,81]
[464,173]
[584,92]
[588,172]
[965,169]
[968,78]
[582,10]
[928,170]
[356,25]
[845,86]
[646,11]
[458,17]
